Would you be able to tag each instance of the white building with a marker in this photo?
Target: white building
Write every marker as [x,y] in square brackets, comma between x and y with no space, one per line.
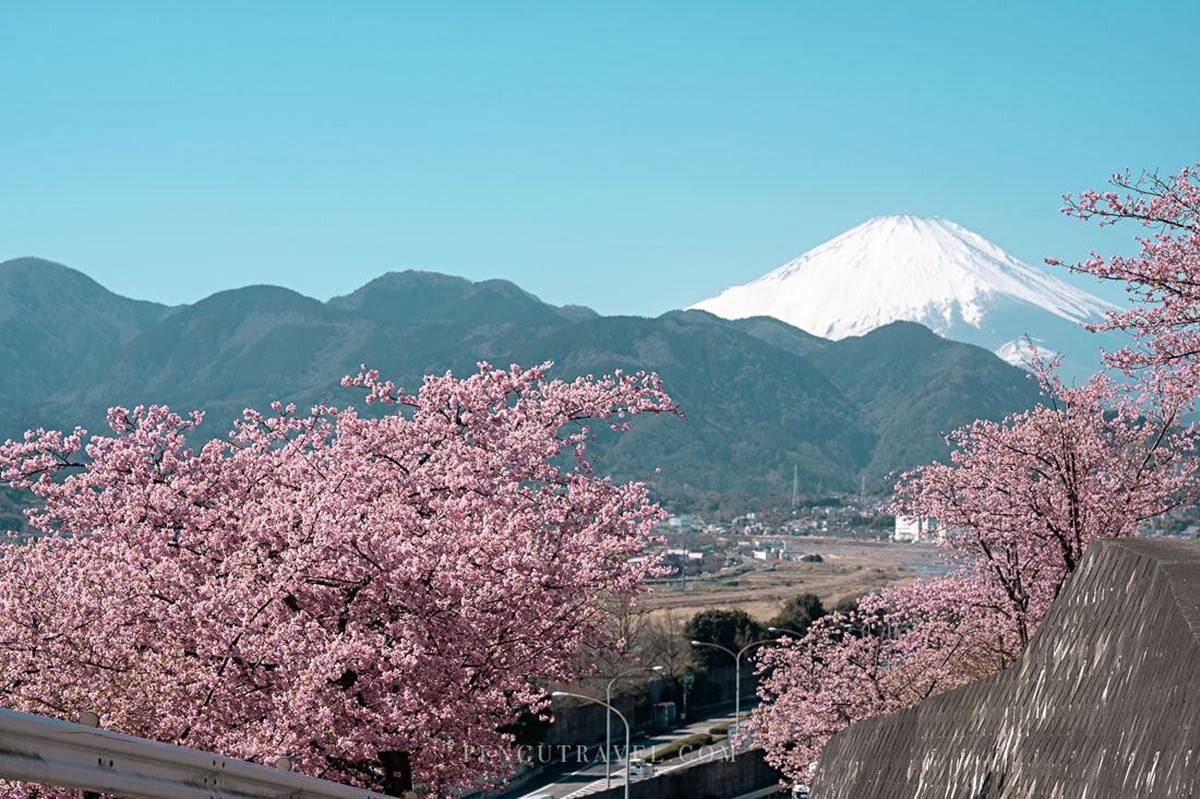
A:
[911,531]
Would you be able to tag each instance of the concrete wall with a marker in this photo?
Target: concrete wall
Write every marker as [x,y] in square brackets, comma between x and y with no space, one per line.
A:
[717,779]
[582,723]
[1104,703]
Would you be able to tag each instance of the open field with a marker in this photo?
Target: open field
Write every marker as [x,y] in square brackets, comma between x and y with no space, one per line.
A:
[850,569]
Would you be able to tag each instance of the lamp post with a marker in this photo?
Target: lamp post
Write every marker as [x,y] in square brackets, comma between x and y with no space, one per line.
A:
[608,719]
[737,687]
[785,631]
[560,694]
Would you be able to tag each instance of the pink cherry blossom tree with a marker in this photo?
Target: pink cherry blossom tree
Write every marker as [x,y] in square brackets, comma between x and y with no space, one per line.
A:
[374,596]
[1162,279]
[1023,498]
[897,647]
[1019,502]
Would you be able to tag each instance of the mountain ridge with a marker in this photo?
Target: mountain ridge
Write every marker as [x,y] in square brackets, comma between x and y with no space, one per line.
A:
[762,397]
[52,315]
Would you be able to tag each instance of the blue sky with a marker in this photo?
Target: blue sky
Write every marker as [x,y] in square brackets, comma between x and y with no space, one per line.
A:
[634,157]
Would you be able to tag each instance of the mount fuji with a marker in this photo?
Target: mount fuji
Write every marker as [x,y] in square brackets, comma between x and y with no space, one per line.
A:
[931,271]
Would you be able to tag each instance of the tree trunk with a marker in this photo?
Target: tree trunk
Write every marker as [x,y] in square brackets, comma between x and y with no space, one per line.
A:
[397,773]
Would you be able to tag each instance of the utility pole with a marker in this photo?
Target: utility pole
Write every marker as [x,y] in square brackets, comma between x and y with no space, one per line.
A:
[737,684]
[795,483]
[620,715]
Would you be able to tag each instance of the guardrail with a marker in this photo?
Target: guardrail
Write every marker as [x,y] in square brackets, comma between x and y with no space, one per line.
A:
[52,752]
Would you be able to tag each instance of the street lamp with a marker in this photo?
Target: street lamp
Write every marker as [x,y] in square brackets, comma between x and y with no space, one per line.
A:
[561,694]
[608,718]
[737,688]
[785,631]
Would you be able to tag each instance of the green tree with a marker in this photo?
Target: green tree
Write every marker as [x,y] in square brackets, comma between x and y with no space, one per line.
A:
[731,629]
[797,613]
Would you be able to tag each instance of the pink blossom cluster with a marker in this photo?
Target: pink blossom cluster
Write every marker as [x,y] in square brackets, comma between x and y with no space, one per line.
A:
[1023,498]
[1161,279]
[897,647]
[367,595]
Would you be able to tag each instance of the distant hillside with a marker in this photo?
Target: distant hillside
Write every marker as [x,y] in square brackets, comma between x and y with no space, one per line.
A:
[761,397]
[914,386]
[753,410]
[55,322]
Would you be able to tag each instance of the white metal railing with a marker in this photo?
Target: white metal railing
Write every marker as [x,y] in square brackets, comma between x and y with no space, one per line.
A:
[52,752]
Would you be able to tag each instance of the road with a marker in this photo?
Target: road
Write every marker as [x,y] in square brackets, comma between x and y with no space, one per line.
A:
[590,777]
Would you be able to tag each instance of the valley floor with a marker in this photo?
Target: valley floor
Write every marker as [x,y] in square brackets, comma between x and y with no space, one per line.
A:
[849,569]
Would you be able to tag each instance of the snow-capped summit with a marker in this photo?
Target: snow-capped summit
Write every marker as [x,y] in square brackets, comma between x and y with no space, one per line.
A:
[918,269]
